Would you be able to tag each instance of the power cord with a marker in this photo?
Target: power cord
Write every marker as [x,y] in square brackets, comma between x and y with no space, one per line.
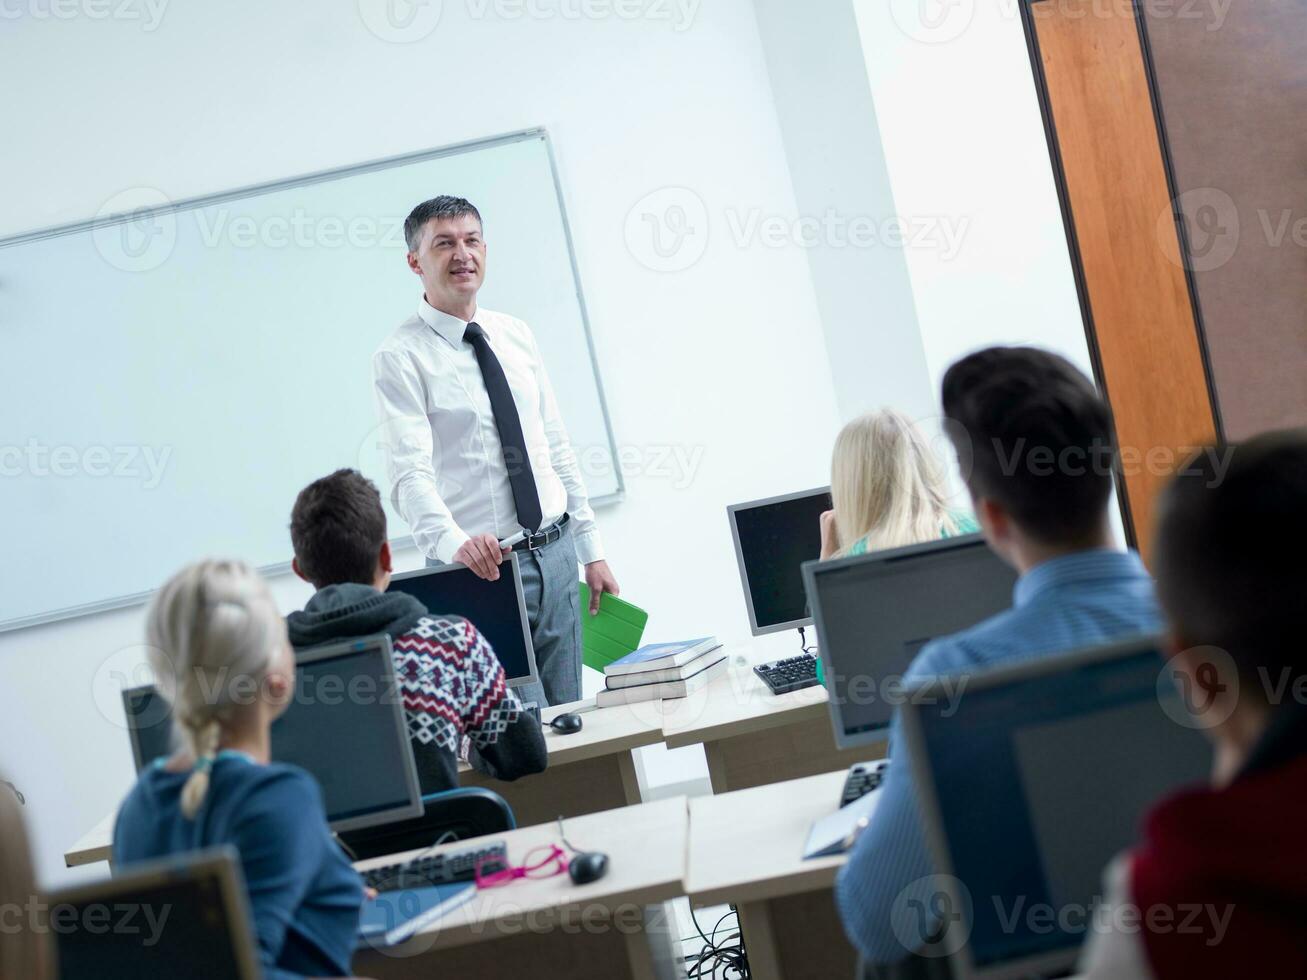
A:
[727,955]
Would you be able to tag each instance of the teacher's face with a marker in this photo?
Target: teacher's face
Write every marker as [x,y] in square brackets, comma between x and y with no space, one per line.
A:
[451,260]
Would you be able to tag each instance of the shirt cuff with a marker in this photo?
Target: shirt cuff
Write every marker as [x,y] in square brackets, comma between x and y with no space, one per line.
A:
[588,547]
[447,546]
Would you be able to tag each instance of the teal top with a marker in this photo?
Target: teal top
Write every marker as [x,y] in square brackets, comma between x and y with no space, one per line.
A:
[965,522]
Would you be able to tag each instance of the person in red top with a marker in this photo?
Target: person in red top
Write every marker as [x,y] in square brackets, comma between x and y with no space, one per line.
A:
[1218,886]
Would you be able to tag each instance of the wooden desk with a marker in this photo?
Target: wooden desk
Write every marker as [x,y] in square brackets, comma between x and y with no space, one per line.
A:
[752,737]
[610,929]
[746,847]
[589,771]
[95,844]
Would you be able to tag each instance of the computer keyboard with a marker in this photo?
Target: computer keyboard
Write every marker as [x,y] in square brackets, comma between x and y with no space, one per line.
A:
[790,674]
[861,780]
[438,869]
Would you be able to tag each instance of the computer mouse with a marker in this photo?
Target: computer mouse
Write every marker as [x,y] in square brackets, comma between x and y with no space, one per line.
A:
[566,724]
[587,866]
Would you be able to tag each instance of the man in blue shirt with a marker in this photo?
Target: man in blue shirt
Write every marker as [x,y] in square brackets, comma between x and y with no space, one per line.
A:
[1035,445]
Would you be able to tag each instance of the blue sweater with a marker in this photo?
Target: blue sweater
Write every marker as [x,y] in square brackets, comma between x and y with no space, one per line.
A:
[304,896]
[1075,601]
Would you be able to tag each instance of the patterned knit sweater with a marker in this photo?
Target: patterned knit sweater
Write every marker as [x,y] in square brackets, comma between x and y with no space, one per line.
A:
[451,682]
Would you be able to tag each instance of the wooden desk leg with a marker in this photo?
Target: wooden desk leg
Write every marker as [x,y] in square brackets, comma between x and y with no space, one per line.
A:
[796,937]
[654,952]
[630,778]
[760,941]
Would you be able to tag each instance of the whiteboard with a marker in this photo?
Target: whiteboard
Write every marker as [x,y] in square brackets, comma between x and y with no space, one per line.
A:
[172,376]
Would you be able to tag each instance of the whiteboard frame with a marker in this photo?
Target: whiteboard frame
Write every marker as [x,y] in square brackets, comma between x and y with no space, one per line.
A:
[254,190]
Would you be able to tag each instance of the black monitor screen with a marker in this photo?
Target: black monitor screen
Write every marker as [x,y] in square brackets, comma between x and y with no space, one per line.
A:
[149,725]
[342,728]
[1042,781]
[774,539]
[875,612]
[177,928]
[492,607]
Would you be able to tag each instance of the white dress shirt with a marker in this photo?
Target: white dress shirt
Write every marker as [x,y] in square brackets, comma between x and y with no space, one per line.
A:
[446,464]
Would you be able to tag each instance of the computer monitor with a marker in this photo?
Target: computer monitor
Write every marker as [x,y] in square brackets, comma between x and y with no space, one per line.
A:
[346,726]
[149,724]
[181,917]
[1030,782]
[497,609]
[875,612]
[773,538]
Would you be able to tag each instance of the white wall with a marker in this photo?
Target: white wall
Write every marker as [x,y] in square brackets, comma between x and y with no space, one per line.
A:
[720,358]
[842,188]
[967,158]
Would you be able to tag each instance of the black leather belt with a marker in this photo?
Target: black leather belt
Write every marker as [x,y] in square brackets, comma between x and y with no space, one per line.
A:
[546,535]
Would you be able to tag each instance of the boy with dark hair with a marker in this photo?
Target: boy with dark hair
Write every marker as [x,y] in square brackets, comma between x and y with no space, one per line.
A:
[1231,574]
[451,682]
[1034,441]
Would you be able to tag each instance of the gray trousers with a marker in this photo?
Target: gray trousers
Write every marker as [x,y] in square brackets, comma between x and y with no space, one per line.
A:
[549,582]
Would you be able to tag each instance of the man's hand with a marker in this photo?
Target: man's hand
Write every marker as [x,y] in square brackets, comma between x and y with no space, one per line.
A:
[482,554]
[830,537]
[600,579]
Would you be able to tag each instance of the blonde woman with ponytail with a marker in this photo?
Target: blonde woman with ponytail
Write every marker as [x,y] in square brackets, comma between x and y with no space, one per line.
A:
[887,489]
[221,658]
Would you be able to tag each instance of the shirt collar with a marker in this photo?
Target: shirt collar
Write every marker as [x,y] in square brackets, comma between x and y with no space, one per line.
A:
[1098,564]
[449,327]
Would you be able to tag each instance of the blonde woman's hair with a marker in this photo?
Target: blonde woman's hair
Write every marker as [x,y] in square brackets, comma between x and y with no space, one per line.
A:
[887,485]
[213,632]
[27,951]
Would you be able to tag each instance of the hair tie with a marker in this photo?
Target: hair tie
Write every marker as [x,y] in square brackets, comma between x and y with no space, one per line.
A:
[204,763]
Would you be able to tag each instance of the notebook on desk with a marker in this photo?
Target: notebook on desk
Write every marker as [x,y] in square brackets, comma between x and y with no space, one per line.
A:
[394,916]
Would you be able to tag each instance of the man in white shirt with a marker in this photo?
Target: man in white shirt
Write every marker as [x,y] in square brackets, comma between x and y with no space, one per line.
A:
[475,444]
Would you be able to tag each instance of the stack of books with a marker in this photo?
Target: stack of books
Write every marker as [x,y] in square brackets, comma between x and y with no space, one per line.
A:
[662,670]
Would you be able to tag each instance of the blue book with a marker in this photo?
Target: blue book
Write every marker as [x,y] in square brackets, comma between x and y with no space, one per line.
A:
[661,656]
[394,916]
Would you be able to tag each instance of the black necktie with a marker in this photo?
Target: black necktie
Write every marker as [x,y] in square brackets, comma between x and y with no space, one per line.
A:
[523,482]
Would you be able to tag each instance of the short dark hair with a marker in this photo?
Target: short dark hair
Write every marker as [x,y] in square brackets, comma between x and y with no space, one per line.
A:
[1032,434]
[1231,552]
[444,206]
[337,528]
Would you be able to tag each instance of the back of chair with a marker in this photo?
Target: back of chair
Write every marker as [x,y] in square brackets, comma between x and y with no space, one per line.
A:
[455,814]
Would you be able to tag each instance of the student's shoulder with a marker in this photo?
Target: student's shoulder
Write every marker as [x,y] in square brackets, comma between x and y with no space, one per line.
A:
[280,786]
